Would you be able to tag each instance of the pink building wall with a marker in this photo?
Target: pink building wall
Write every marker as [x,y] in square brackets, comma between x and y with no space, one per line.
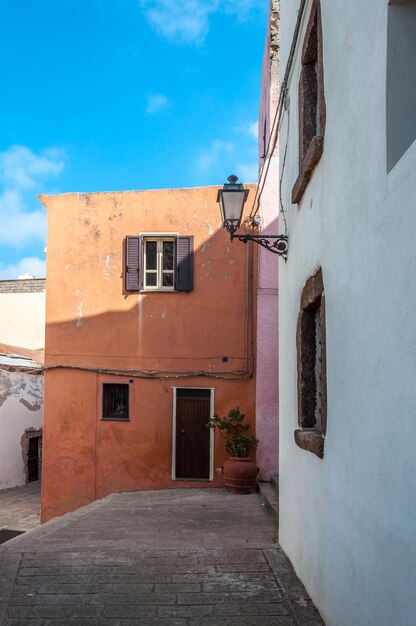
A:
[267,399]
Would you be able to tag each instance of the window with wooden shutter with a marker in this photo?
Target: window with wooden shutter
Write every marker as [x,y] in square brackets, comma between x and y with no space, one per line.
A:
[132,273]
[185,264]
[159,263]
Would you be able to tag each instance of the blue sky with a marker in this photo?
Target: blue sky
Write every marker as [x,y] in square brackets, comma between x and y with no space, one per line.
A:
[105,95]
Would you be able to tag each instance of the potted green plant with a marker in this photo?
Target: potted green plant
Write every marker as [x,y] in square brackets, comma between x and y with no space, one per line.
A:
[239,471]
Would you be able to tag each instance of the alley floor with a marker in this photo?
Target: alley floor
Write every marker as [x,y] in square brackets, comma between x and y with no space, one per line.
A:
[202,557]
[20,507]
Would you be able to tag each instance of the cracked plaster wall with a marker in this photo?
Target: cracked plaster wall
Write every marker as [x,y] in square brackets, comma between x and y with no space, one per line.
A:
[21,409]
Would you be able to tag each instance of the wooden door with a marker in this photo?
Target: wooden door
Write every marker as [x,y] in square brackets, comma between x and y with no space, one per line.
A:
[33,459]
[192,435]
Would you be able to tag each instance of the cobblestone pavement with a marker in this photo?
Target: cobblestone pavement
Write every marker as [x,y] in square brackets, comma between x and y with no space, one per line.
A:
[200,557]
[20,507]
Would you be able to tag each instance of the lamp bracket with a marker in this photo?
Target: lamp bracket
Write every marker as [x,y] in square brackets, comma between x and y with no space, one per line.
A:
[278,244]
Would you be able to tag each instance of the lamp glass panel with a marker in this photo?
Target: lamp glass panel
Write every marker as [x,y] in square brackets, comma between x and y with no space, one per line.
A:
[233,202]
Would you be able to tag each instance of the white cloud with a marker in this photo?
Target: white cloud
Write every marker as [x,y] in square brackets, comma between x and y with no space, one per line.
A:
[247,172]
[209,157]
[29,265]
[253,129]
[20,167]
[156,102]
[244,8]
[249,128]
[22,174]
[187,21]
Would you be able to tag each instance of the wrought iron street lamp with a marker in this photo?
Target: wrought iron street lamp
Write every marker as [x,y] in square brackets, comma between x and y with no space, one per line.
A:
[232,198]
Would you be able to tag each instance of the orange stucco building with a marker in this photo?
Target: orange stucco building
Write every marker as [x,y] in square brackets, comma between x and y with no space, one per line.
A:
[149,330]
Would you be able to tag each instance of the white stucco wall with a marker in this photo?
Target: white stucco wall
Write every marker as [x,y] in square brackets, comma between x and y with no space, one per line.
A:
[22,319]
[347,522]
[21,408]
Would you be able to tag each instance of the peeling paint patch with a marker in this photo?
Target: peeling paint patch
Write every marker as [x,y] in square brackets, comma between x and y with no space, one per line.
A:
[32,407]
[26,387]
[205,246]
[80,315]
[107,261]
[164,314]
[232,261]
[87,198]
[226,276]
[96,233]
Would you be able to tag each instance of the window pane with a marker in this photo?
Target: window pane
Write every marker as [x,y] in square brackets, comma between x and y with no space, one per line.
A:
[115,401]
[151,279]
[167,255]
[151,255]
[168,279]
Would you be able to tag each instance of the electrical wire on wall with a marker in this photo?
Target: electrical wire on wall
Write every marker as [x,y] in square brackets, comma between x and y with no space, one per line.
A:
[282,209]
[161,374]
[282,104]
[247,372]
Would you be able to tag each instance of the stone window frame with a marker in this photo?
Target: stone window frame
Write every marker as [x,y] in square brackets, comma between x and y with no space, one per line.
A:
[312,107]
[312,417]
[400,80]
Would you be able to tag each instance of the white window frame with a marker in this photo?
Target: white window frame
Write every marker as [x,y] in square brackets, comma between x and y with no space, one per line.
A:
[211,437]
[159,262]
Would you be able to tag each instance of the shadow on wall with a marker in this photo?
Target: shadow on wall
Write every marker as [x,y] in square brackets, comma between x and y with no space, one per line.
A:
[157,330]
[200,339]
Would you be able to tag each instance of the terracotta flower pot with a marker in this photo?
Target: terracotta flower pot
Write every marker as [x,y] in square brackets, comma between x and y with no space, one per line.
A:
[240,474]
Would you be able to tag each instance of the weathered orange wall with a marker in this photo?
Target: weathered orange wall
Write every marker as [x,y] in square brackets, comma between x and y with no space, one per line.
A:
[92,322]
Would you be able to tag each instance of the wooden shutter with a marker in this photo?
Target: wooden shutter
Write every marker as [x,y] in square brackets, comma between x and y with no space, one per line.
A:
[184,277]
[132,274]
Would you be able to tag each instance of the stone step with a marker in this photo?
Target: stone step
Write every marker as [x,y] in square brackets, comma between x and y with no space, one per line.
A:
[270,498]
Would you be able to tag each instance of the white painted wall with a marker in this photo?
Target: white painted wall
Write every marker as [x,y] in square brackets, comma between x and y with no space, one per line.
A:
[21,408]
[22,319]
[347,522]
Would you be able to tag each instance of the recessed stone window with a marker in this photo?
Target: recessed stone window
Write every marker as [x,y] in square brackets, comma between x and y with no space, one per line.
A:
[400,79]
[311,359]
[312,109]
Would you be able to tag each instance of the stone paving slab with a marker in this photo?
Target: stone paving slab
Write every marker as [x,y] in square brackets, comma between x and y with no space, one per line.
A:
[179,557]
[20,507]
